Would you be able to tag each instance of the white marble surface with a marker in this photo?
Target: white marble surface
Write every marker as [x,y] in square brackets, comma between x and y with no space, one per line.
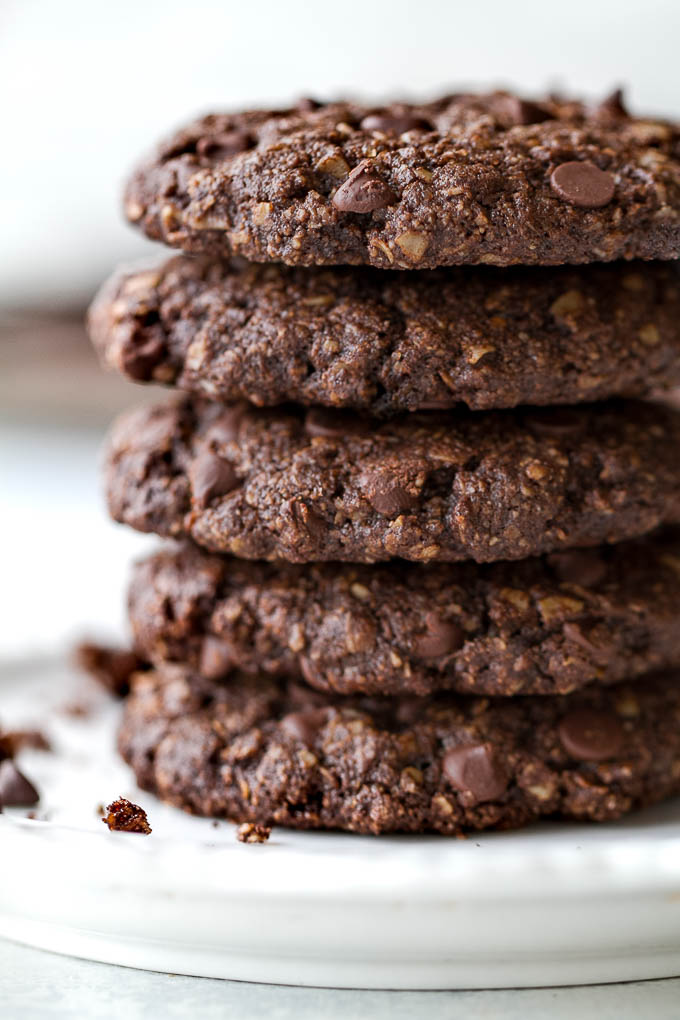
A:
[36,985]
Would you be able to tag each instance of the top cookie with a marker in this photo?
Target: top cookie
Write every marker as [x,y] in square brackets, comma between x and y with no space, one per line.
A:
[466,179]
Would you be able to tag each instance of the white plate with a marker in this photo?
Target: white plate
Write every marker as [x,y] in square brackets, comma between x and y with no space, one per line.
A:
[552,905]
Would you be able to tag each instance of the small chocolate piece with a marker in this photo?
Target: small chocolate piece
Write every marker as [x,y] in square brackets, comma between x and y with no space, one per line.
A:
[554,421]
[225,429]
[305,725]
[612,105]
[124,816]
[584,567]
[15,789]
[225,144]
[523,111]
[111,667]
[441,637]
[582,184]
[320,421]
[143,352]
[473,769]
[14,741]
[397,124]
[217,658]
[363,191]
[249,832]
[387,496]
[589,735]
[210,477]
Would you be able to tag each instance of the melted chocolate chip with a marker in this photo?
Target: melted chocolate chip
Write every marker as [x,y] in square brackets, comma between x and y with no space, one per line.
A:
[15,789]
[579,566]
[333,424]
[441,637]
[582,184]
[474,769]
[395,124]
[589,735]
[363,191]
[217,659]
[210,477]
[225,429]
[140,356]
[225,144]
[308,520]
[387,496]
[305,725]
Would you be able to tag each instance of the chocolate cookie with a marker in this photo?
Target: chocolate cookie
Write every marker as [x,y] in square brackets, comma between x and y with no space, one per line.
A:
[466,179]
[540,626]
[388,342]
[269,751]
[431,486]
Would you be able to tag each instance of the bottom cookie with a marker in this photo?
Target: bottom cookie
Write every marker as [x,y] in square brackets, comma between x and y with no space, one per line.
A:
[271,751]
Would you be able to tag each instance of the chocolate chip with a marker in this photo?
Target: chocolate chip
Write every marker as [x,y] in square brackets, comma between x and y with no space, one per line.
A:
[575,633]
[363,192]
[304,726]
[475,770]
[225,429]
[307,105]
[227,143]
[579,566]
[441,637]
[210,477]
[320,421]
[15,789]
[217,658]
[582,184]
[522,111]
[387,496]
[612,105]
[308,520]
[590,735]
[395,124]
[16,740]
[111,667]
[141,355]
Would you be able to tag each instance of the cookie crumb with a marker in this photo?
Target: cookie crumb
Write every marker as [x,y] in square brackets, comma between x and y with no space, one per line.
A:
[124,816]
[111,667]
[251,833]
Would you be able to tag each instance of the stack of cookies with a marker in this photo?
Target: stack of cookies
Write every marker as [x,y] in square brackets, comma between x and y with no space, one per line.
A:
[423,575]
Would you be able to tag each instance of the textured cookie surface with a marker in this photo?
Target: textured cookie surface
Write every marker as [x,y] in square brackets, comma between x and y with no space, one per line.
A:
[268,751]
[388,342]
[537,626]
[326,485]
[467,179]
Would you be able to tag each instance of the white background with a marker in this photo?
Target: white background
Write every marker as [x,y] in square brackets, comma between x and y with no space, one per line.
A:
[88,86]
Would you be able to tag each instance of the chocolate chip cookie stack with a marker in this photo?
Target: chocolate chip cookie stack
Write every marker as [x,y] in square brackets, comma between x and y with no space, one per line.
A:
[423,577]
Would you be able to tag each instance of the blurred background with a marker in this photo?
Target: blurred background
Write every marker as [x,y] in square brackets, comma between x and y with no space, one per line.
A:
[87,89]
